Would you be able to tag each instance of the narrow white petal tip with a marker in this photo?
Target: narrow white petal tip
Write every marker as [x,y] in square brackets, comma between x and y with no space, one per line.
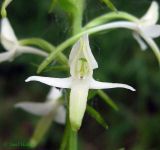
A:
[132,89]
[29,79]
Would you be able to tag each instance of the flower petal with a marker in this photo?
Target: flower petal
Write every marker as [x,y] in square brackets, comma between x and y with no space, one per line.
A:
[54,94]
[31,50]
[152,15]
[56,82]
[152,31]
[60,116]
[83,43]
[104,85]
[141,43]
[39,109]
[8,37]
[77,103]
[88,51]
[6,56]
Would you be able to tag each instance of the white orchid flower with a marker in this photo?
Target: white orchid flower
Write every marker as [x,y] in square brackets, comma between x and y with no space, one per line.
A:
[147,25]
[52,104]
[82,63]
[10,42]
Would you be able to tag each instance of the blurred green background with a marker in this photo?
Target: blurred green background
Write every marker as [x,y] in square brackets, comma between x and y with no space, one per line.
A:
[136,126]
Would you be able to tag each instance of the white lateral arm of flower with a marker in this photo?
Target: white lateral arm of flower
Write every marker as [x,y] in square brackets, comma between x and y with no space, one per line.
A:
[103,85]
[35,108]
[56,82]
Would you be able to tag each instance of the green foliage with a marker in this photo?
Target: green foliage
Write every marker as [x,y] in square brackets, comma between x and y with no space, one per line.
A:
[41,130]
[110,5]
[96,115]
[107,99]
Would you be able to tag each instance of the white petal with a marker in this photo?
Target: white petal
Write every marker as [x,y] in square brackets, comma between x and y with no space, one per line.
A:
[152,31]
[8,37]
[78,102]
[152,15]
[141,43]
[104,85]
[39,109]
[60,116]
[83,43]
[54,94]
[88,51]
[56,82]
[6,56]
[31,50]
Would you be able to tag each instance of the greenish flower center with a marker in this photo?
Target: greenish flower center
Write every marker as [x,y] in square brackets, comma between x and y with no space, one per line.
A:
[82,68]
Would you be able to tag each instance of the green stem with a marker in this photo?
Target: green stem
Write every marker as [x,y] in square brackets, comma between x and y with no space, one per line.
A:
[65,136]
[4,5]
[45,46]
[77,16]
[110,16]
[73,140]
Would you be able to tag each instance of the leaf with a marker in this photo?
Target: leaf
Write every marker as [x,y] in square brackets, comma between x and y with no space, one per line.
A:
[91,94]
[110,5]
[107,100]
[97,116]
